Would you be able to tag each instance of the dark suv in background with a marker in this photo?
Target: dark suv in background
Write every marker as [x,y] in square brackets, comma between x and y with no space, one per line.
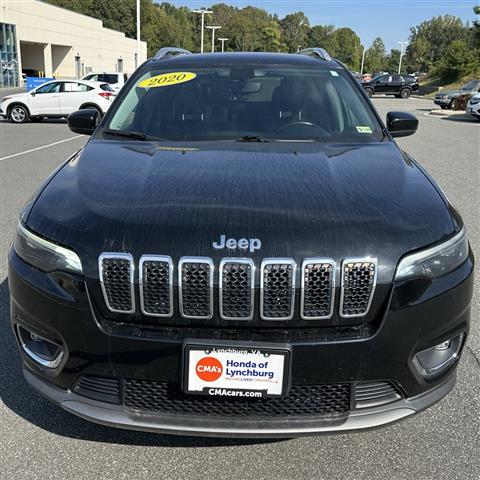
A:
[402,86]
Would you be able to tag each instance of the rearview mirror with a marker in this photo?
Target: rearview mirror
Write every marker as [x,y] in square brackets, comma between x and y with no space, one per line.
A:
[401,124]
[84,121]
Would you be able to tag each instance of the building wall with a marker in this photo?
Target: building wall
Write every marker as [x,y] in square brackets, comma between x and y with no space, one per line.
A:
[63,35]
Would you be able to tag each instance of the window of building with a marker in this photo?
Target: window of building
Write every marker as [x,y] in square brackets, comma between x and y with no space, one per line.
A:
[9,76]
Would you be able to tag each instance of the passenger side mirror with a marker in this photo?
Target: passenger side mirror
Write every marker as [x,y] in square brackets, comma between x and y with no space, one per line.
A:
[401,124]
[33,93]
[84,121]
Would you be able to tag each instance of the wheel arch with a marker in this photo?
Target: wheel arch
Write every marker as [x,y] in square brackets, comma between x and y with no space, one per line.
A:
[89,105]
[16,103]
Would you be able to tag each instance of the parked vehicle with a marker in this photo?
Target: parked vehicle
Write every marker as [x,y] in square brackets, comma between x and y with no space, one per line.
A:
[241,249]
[449,98]
[56,99]
[473,107]
[402,86]
[116,79]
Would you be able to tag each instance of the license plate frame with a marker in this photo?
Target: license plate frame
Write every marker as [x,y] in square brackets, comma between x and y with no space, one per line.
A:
[211,348]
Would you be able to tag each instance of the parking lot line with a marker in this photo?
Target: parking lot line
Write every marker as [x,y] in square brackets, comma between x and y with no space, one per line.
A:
[40,148]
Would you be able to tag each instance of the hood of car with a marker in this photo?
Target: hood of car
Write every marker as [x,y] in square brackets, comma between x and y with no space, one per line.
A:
[305,200]
[15,95]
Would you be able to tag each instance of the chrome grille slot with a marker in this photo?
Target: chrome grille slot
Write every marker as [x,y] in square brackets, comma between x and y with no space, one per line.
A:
[236,289]
[116,272]
[156,296]
[196,287]
[277,289]
[318,289]
[359,277]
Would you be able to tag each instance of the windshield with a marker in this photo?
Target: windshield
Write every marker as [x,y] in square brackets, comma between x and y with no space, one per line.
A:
[235,102]
[470,86]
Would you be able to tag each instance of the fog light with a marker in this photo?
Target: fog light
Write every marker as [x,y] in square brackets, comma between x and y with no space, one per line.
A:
[438,358]
[44,352]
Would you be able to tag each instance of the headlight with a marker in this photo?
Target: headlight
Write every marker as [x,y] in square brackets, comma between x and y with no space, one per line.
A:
[435,261]
[44,255]
[474,100]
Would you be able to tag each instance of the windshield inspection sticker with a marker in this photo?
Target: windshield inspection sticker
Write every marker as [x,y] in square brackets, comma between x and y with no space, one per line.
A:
[167,79]
[364,130]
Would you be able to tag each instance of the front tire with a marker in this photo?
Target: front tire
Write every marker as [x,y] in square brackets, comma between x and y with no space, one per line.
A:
[405,93]
[18,114]
[453,105]
[369,92]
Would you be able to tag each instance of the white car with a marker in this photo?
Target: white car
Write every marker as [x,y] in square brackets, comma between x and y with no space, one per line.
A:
[56,99]
[116,79]
[473,106]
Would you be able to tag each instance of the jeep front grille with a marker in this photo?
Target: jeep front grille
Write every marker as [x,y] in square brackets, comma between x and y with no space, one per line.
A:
[277,289]
[359,277]
[236,289]
[318,284]
[237,278]
[156,281]
[116,277]
[196,287]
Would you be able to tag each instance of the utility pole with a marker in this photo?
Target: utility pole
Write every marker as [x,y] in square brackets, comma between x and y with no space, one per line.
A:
[138,34]
[402,51]
[213,28]
[363,60]
[203,13]
[223,40]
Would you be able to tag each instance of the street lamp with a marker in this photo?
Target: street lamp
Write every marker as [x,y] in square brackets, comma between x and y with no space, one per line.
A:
[402,51]
[363,60]
[137,60]
[203,13]
[223,40]
[213,28]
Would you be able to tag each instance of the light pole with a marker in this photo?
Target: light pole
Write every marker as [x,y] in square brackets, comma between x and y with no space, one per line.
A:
[223,40]
[363,60]
[401,56]
[138,34]
[203,13]
[213,28]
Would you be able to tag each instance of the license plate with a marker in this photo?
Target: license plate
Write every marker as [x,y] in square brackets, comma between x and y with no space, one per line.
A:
[236,370]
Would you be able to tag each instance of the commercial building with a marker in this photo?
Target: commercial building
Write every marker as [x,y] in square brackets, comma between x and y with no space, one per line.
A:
[43,40]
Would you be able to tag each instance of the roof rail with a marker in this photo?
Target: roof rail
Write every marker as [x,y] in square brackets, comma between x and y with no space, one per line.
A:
[170,52]
[319,52]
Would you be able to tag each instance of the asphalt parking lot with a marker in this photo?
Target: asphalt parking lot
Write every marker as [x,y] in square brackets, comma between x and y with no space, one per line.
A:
[40,441]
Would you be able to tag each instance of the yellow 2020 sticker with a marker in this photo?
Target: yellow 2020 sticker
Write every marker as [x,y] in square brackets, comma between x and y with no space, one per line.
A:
[364,130]
[167,79]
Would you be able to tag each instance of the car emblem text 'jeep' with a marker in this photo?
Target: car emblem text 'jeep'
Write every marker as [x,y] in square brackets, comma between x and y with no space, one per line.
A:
[250,244]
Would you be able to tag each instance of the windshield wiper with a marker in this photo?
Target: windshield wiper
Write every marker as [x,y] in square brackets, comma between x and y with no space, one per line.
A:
[252,138]
[126,133]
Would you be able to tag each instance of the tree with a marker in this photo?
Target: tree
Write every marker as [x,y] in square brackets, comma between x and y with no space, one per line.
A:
[459,60]
[349,48]
[295,29]
[376,57]
[437,34]
[322,36]
[417,57]
[393,60]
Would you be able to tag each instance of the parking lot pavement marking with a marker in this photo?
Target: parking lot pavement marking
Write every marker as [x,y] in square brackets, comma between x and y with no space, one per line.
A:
[39,148]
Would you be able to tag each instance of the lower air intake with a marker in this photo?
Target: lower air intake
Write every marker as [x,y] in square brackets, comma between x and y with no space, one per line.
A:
[302,400]
[375,393]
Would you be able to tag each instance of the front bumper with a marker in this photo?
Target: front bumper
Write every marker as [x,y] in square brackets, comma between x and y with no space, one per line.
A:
[416,316]
[443,102]
[121,417]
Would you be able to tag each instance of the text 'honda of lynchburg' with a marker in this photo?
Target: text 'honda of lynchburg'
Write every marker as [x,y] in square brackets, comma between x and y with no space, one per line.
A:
[241,249]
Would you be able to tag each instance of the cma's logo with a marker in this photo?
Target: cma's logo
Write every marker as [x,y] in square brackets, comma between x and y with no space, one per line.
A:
[250,244]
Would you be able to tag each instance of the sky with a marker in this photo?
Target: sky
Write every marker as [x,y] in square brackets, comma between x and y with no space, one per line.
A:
[389,19]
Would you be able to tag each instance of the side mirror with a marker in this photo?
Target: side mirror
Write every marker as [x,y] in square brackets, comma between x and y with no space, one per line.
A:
[33,93]
[84,121]
[401,124]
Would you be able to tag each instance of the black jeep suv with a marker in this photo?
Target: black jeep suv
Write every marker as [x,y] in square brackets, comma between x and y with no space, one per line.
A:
[402,86]
[241,249]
